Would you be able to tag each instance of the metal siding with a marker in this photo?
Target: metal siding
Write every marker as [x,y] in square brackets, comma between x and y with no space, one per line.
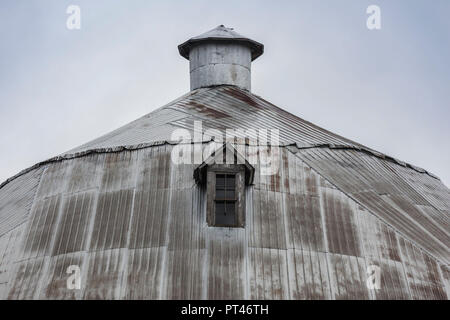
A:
[144,273]
[104,274]
[72,231]
[9,250]
[54,281]
[16,199]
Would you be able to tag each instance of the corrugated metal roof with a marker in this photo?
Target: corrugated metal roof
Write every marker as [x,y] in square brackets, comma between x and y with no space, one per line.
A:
[219,107]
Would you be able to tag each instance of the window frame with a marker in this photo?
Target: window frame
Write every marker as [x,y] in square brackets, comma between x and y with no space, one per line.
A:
[239,172]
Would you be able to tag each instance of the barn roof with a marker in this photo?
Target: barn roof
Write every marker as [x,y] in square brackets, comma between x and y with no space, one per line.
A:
[219,107]
[408,198]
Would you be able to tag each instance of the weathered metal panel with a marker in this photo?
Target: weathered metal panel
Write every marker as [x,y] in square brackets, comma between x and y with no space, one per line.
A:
[16,199]
[422,273]
[393,285]
[104,274]
[305,223]
[149,225]
[72,231]
[54,281]
[225,260]
[112,219]
[404,205]
[432,189]
[377,239]
[9,252]
[54,179]
[339,211]
[308,272]
[268,273]
[41,227]
[341,274]
[145,273]
[85,174]
[178,265]
[26,281]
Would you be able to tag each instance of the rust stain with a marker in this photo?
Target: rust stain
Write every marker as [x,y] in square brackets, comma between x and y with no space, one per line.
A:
[201,108]
[240,95]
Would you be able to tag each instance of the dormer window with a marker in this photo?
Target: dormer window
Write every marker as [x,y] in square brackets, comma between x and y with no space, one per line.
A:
[225,200]
[225,189]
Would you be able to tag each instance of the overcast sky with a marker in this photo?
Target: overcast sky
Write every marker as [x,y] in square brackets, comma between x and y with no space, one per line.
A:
[388,89]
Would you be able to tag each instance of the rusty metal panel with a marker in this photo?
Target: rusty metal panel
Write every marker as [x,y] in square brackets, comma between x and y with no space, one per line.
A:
[26,282]
[305,223]
[145,273]
[186,266]
[393,284]
[345,272]
[422,273]
[104,274]
[267,272]
[268,228]
[54,281]
[377,239]
[342,234]
[308,275]
[225,263]
[303,209]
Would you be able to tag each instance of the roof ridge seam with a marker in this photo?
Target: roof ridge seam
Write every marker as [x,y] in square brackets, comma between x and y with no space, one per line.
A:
[69,156]
[371,152]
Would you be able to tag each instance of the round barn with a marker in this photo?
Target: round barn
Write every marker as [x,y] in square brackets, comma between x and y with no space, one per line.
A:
[222,195]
